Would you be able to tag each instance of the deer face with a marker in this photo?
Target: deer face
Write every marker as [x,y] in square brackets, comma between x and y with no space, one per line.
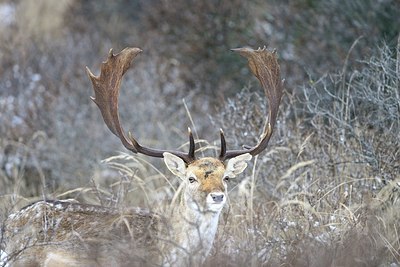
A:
[205,180]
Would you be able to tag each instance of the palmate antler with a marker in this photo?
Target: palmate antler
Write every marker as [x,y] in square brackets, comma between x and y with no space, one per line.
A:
[106,89]
[262,63]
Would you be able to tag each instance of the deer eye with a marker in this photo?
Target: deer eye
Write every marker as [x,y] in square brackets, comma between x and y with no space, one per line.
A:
[192,179]
[226,178]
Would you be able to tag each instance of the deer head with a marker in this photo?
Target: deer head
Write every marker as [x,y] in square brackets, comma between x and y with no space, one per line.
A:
[205,180]
[205,176]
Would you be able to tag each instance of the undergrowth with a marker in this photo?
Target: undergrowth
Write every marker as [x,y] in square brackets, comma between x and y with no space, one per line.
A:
[324,194]
[326,191]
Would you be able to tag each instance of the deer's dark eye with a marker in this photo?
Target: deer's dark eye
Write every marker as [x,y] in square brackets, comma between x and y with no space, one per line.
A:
[226,179]
[192,180]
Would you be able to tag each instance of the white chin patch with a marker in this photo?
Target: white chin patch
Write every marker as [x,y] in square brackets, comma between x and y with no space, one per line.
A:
[215,206]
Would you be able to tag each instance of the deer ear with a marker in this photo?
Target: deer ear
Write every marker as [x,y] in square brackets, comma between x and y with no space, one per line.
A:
[175,164]
[237,165]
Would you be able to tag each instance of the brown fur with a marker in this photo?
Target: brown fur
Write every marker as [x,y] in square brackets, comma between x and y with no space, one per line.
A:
[47,231]
[209,172]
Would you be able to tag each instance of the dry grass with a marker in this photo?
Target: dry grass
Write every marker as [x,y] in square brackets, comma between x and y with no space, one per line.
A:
[326,193]
[305,221]
[311,200]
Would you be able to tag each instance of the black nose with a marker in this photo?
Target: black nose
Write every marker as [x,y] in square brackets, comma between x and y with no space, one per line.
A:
[217,197]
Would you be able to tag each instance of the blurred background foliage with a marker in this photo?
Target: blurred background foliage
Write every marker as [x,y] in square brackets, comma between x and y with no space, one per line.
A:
[327,185]
[52,133]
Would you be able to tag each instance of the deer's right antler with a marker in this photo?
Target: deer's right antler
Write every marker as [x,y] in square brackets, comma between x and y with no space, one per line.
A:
[106,88]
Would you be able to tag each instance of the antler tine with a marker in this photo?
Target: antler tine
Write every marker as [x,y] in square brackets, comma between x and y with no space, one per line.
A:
[264,65]
[223,144]
[191,145]
[106,88]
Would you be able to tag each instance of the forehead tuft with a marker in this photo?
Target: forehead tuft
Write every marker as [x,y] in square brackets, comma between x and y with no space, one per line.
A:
[207,167]
[207,163]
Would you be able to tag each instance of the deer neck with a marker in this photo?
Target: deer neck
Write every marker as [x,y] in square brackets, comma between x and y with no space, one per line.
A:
[194,232]
[202,224]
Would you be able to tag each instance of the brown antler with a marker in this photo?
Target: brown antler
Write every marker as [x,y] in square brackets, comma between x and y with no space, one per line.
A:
[106,88]
[264,65]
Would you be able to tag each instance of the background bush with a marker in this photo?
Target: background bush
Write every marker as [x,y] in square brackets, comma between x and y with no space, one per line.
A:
[333,162]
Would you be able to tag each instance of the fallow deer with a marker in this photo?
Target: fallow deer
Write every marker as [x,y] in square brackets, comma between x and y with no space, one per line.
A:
[55,233]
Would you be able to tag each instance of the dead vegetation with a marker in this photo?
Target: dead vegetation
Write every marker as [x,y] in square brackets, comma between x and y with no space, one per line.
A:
[325,193]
